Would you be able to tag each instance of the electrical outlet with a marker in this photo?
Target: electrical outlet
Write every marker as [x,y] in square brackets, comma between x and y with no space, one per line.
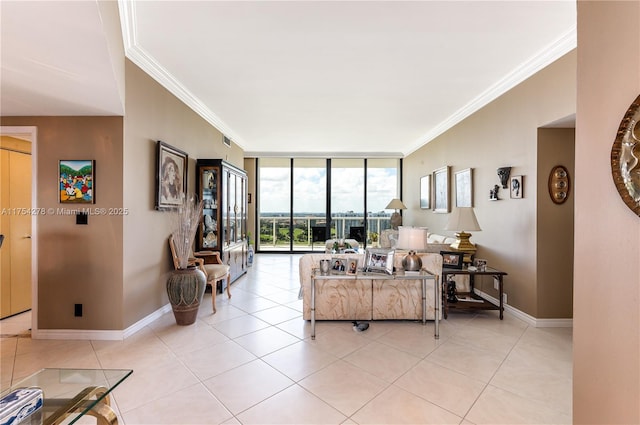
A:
[77,310]
[504,298]
[496,284]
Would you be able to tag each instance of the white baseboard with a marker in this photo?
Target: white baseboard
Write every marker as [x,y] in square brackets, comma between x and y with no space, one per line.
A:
[99,335]
[530,320]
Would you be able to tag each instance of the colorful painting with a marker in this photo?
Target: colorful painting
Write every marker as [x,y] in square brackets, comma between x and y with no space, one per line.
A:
[76,179]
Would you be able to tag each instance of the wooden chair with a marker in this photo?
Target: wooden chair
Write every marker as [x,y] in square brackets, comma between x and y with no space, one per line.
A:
[213,268]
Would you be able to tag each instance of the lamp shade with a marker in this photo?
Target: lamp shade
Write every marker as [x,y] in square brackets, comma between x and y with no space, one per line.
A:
[412,238]
[463,219]
[396,204]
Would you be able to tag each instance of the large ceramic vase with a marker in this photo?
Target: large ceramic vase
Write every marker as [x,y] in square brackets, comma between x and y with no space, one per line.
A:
[185,288]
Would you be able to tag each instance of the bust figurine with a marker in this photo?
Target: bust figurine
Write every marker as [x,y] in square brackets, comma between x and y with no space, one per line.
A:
[503,173]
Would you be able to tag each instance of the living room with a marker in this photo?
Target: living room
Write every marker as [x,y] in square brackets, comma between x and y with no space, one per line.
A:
[128,260]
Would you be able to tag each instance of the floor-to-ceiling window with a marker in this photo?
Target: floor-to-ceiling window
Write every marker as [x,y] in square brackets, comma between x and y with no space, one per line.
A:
[309,202]
[274,204]
[304,201]
[383,184]
[347,196]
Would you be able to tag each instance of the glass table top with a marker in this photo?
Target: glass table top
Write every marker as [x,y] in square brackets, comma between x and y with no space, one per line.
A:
[74,391]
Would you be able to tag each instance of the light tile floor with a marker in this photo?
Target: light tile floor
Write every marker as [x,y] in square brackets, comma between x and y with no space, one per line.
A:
[253,362]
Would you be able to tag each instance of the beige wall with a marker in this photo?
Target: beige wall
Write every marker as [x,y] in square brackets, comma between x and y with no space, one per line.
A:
[554,225]
[504,133]
[152,114]
[117,265]
[606,380]
[77,263]
[250,168]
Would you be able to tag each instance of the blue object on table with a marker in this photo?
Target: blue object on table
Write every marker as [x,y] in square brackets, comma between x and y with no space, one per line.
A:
[19,405]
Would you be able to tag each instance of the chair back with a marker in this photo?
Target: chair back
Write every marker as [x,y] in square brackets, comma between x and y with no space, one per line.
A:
[357,233]
[318,233]
[174,255]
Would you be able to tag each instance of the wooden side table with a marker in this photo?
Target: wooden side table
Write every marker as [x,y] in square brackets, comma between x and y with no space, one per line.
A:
[478,303]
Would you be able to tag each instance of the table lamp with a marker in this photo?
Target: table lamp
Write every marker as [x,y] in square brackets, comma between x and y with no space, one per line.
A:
[412,239]
[396,218]
[461,220]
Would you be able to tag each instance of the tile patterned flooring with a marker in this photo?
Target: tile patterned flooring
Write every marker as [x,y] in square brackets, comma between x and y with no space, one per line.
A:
[253,362]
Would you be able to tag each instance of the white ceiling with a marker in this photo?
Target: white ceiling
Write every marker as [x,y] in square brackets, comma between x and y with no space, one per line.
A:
[288,77]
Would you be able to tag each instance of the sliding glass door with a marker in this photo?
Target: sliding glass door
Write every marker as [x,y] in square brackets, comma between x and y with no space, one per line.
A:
[274,204]
[347,197]
[309,204]
[383,184]
[302,202]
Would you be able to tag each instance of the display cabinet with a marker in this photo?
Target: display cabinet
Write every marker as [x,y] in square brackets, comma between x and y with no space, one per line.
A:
[223,189]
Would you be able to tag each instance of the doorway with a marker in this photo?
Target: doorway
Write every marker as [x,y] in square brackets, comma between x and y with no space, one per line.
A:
[18,221]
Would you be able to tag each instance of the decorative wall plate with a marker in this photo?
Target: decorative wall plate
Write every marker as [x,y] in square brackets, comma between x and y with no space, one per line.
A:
[625,158]
[559,184]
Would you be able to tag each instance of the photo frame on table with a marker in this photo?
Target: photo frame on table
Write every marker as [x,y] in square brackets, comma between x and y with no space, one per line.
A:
[352,266]
[338,265]
[76,181]
[441,202]
[480,264]
[516,188]
[425,192]
[171,176]
[464,188]
[452,259]
[378,260]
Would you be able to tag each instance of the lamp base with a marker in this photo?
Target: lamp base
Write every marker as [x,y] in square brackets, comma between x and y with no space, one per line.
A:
[412,262]
[463,244]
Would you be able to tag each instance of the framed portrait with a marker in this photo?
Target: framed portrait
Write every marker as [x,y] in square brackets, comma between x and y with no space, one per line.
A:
[452,259]
[425,192]
[441,190]
[338,265]
[76,181]
[516,188]
[171,176]
[378,260]
[464,188]
[352,266]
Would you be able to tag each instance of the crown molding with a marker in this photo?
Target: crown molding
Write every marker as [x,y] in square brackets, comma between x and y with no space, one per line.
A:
[554,51]
[148,64]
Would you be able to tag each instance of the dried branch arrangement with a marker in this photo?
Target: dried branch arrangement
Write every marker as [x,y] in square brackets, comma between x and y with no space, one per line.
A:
[185,220]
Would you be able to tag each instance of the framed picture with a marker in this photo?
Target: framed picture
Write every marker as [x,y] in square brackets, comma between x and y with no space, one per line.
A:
[352,266]
[441,190]
[378,260]
[452,259]
[480,264]
[76,181]
[516,188]
[464,188]
[425,192]
[171,176]
[338,265]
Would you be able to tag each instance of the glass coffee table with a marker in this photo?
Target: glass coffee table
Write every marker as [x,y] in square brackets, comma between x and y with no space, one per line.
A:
[72,393]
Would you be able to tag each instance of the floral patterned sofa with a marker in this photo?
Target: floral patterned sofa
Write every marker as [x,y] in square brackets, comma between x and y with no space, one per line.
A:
[367,298]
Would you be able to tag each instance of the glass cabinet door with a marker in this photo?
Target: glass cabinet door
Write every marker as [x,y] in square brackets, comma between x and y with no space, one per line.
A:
[242,212]
[232,208]
[225,210]
[209,195]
